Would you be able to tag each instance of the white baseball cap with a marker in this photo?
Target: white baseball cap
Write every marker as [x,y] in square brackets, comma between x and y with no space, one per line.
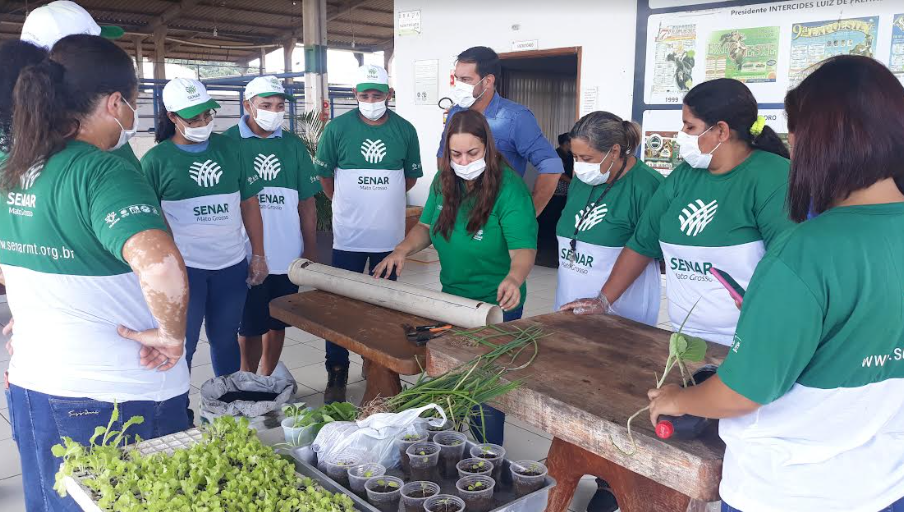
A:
[372,77]
[264,86]
[187,98]
[48,24]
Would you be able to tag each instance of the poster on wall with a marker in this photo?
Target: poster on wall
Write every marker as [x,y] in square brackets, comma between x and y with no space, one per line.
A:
[426,83]
[813,42]
[896,59]
[661,151]
[748,55]
[673,63]
[409,23]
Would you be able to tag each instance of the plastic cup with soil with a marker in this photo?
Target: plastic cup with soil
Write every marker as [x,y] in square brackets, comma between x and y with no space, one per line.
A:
[384,492]
[451,451]
[475,466]
[432,431]
[423,458]
[338,466]
[360,474]
[444,503]
[477,492]
[528,476]
[493,453]
[415,494]
[404,441]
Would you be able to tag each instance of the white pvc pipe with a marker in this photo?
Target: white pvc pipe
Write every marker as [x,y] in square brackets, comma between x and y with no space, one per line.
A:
[402,297]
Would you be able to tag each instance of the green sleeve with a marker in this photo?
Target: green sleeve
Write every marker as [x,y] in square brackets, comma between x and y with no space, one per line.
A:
[412,163]
[772,215]
[646,234]
[250,183]
[517,215]
[121,204]
[151,172]
[308,184]
[643,194]
[327,158]
[777,335]
[428,216]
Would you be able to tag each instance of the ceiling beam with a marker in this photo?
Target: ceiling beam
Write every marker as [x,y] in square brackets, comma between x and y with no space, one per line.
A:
[169,14]
[344,8]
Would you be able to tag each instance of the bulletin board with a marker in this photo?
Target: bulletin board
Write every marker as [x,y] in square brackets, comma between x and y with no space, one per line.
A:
[770,46]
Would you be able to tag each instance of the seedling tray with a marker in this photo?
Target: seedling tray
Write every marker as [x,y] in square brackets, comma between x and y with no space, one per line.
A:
[183,440]
[505,499]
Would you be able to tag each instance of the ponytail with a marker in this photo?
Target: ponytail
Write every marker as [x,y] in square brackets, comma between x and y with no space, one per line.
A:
[39,121]
[54,96]
[165,127]
[769,141]
[632,135]
[15,55]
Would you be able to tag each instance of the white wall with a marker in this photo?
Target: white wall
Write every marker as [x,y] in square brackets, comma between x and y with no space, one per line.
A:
[605,29]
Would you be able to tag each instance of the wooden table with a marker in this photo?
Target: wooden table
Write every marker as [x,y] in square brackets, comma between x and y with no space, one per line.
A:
[591,374]
[373,332]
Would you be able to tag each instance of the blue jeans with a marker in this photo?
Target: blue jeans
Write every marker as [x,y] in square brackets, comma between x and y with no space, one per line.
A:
[897,506]
[493,419]
[39,421]
[217,298]
[355,262]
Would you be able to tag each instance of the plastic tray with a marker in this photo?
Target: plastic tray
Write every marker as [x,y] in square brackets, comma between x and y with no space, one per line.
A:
[306,461]
[181,440]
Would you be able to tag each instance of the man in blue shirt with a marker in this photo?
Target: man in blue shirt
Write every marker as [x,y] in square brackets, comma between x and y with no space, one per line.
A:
[515,129]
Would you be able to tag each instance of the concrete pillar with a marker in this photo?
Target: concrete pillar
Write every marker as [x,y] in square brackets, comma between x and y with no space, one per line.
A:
[288,50]
[316,86]
[139,56]
[359,57]
[160,54]
[263,65]
[387,57]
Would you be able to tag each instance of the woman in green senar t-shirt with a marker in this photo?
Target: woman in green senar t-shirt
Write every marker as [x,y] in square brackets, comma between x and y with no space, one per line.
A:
[481,219]
[208,197]
[811,395]
[723,207]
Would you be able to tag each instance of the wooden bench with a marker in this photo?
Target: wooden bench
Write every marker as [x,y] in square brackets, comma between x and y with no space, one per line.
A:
[591,374]
[373,332]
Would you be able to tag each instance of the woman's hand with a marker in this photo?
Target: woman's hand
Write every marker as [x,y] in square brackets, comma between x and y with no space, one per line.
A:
[392,263]
[664,401]
[508,295]
[257,270]
[598,305]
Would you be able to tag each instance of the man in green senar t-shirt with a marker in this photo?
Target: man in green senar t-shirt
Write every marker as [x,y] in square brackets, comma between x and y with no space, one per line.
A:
[282,163]
[367,160]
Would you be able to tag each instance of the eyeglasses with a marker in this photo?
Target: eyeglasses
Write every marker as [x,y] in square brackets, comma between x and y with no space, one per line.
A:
[204,118]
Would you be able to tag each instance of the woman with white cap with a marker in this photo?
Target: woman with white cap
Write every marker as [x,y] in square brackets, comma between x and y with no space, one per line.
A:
[207,198]
[96,284]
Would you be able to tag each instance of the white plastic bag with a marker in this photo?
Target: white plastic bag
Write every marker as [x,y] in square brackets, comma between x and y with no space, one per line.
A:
[372,439]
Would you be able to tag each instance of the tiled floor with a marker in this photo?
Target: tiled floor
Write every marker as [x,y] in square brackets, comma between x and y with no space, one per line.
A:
[304,356]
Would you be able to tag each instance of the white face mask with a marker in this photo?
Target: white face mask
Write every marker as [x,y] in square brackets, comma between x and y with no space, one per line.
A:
[268,121]
[590,173]
[125,135]
[372,111]
[200,134]
[471,171]
[690,150]
[463,94]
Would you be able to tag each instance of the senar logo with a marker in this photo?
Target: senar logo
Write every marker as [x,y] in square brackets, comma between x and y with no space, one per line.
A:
[27,180]
[593,218]
[696,216]
[267,167]
[206,174]
[373,151]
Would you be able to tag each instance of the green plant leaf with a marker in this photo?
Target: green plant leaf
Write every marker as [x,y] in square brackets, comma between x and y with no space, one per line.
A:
[695,349]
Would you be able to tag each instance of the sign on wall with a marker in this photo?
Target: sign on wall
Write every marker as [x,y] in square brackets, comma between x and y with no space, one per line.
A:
[426,82]
[409,23]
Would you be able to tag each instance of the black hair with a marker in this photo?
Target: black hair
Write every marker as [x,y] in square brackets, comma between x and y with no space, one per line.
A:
[848,125]
[15,55]
[165,127]
[563,138]
[728,100]
[53,97]
[486,59]
[603,130]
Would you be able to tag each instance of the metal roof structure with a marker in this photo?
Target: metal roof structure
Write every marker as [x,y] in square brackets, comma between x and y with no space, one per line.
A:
[223,30]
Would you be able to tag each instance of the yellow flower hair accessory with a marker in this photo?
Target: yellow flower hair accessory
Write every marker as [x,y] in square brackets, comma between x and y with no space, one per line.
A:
[758,126]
